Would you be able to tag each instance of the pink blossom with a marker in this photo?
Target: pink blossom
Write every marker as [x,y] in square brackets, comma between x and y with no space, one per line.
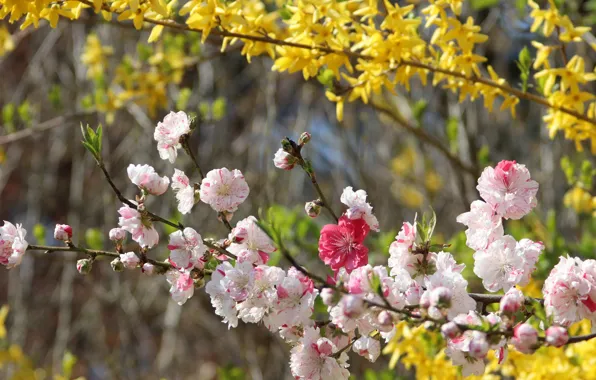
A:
[367,347]
[247,235]
[284,160]
[187,249]
[117,234]
[341,245]
[182,286]
[557,336]
[168,134]
[450,330]
[358,207]
[508,189]
[185,192]
[84,266]
[145,177]
[63,232]
[441,297]
[139,226]
[400,251]
[312,358]
[511,302]
[221,300]
[458,348]
[499,266]
[148,269]
[478,347]
[484,225]
[130,260]
[525,338]
[12,244]
[224,190]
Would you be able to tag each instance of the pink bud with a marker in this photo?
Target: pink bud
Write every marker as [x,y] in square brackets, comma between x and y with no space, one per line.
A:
[440,297]
[148,268]
[238,235]
[84,266]
[328,296]
[324,347]
[525,338]
[478,345]
[425,300]
[313,209]
[130,260]
[304,138]
[284,160]
[353,306]
[557,336]
[385,319]
[63,232]
[511,302]
[450,330]
[117,234]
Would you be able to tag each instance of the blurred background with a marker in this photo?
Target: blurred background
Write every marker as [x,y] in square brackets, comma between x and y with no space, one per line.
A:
[422,150]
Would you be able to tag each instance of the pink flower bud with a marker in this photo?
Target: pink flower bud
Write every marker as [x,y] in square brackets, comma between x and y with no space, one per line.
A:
[435,313]
[450,330]
[148,269]
[525,338]
[478,345]
[328,296]
[440,297]
[353,306]
[324,347]
[511,302]
[425,300]
[117,235]
[238,235]
[84,266]
[304,138]
[63,232]
[284,160]
[385,319]
[313,209]
[557,336]
[493,319]
[130,260]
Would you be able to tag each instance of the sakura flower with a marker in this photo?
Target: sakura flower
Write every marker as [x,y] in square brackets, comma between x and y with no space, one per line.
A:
[367,347]
[239,280]
[342,245]
[63,232]
[145,177]
[525,338]
[168,134]
[12,244]
[529,251]
[484,225]
[187,249]
[139,226]
[400,255]
[350,314]
[458,348]
[182,286]
[148,269]
[569,292]
[499,266]
[284,160]
[185,192]
[508,189]
[478,347]
[224,190]
[130,260]
[358,207]
[313,358]
[221,300]
[249,236]
[556,336]
[263,294]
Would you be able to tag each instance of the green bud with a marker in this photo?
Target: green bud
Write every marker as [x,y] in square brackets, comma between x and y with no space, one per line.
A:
[117,265]
[84,266]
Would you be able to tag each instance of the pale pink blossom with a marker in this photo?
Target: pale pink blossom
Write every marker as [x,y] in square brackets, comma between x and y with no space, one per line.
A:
[145,177]
[341,245]
[63,232]
[557,336]
[182,286]
[312,209]
[12,244]
[221,300]
[508,189]
[249,236]
[263,295]
[484,225]
[148,269]
[358,208]
[529,251]
[478,347]
[187,249]
[448,276]
[224,190]
[367,347]
[130,260]
[284,160]
[525,338]
[512,301]
[499,266]
[458,348]
[440,297]
[117,234]
[400,251]
[313,358]
[168,134]
[185,191]
[450,330]
[139,226]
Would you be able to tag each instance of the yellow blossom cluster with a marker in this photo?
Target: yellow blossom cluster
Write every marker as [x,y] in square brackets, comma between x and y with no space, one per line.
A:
[366,46]
[580,200]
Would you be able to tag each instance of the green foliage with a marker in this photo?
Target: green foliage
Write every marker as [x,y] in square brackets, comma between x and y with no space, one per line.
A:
[452,128]
[55,97]
[372,374]
[419,109]
[8,117]
[425,228]
[478,5]
[326,77]
[183,98]
[39,232]
[218,108]
[483,156]
[231,373]
[524,64]
[568,169]
[94,238]
[92,140]
[68,363]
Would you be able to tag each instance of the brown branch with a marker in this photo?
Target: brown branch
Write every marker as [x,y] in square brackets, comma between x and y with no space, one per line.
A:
[44,126]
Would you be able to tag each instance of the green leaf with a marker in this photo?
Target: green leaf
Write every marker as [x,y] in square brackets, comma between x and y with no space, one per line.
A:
[8,117]
[326,77]
[183,98]
[39,232]
[483,4]
[524,65]
[218,108]
[94,238]
[586,174]
[483,156]
[452,129]
[568,169]
[55,97]
[419,109]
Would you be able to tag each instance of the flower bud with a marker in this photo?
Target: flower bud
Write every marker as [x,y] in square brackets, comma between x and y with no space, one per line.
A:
[284,160]
[525,338]
[63,232]
[304,138]
[313,209]
[557,336]
[384,318]
[450,330]
[199,283]
[328,296]
[435,313]
[148,269]
[84,266]
[511,302]
[117,235]
[353,306]
[478,345]
[130,260]
[238,235]
[117,265]
[441,297]
[425,300]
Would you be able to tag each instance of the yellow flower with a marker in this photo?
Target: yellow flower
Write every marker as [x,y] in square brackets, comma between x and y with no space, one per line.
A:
[6,42]
[579,199]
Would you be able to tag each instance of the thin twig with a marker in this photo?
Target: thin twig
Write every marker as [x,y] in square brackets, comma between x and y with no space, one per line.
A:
[42,127]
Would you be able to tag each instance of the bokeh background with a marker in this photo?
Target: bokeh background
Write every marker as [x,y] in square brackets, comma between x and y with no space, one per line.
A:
[424,150]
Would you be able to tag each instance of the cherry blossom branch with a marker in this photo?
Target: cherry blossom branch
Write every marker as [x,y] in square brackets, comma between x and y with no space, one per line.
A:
[488,299]
[186,146]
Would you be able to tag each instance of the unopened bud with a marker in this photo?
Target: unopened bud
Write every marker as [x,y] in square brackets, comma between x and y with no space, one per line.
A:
[328,296]
[384,318]
[284,160]
[450,330]
[525,338]
[130,260]
[117,235]
[353,306]
[478,345]
[313,209]
[148,269]
[425,300]
[63,232]
[286,145]
[441,297]
[117,265]
[304,138]
[557,336]
[84,266]
[511,302]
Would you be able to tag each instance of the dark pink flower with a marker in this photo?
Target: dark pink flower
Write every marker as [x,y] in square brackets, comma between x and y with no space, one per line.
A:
[340,245]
